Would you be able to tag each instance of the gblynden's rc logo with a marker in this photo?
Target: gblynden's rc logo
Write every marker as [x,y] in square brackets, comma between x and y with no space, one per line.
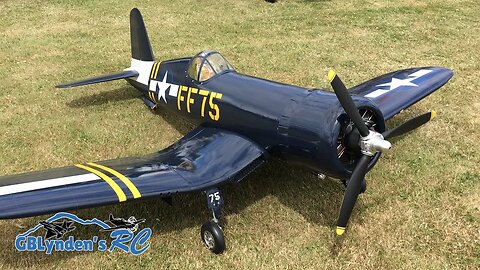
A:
[123,234]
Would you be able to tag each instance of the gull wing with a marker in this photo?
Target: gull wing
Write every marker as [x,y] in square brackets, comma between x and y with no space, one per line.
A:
[204,158]
[399,90]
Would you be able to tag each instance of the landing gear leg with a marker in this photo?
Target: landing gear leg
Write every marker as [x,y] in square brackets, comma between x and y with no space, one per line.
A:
[211,232]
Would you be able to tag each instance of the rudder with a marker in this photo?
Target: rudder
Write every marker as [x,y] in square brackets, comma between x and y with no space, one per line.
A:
[141,48]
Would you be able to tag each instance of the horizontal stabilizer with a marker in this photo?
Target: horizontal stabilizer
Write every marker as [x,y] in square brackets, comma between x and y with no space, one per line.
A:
[104,78]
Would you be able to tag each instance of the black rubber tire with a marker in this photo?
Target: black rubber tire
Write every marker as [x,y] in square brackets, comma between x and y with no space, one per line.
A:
[212,236]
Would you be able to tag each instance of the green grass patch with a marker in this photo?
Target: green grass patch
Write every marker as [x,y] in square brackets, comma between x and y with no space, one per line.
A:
[422,206]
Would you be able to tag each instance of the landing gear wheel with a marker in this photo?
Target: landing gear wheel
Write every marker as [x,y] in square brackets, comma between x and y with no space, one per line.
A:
[212,237]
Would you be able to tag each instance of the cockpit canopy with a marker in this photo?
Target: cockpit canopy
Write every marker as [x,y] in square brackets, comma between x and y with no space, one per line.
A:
[207,64]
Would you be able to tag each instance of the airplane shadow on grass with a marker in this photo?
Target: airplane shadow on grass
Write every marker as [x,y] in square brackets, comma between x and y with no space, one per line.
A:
[120,94]
[318,201]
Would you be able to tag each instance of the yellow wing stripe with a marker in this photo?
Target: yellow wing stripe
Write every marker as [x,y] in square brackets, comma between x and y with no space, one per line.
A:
[125,180]
[118,190]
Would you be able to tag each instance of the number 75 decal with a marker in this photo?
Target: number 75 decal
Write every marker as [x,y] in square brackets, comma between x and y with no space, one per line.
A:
[214,198]
[199,95]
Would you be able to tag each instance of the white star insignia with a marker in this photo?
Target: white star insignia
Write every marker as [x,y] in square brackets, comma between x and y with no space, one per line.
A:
[395,83]
[162,87]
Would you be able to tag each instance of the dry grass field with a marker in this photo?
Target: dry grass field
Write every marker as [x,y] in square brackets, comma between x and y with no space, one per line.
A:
[422,206]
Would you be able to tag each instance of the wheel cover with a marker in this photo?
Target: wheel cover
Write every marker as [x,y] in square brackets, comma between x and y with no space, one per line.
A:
[208,239]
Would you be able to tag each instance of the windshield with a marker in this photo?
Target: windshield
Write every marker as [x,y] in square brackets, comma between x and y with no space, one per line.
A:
[207,64]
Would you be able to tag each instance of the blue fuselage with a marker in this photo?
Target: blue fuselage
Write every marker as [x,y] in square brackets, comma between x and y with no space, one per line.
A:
[298,124]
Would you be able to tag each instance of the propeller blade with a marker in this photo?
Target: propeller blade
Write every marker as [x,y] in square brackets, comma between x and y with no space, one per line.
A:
[409,125]
[347,102]
[351,193]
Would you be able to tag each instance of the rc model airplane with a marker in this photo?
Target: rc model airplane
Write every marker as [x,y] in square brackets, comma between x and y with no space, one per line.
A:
[242,121]
[57,229]
[120,223]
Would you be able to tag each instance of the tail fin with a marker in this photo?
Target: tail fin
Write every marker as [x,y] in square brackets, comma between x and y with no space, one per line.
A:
[141,48]
[142,56]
